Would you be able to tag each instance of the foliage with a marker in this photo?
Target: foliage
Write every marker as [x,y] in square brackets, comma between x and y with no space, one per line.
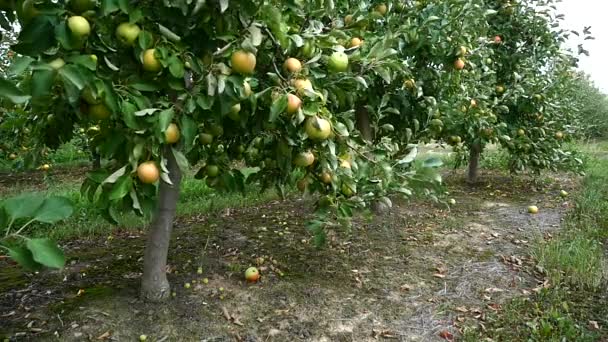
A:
[32,253]
[593,107]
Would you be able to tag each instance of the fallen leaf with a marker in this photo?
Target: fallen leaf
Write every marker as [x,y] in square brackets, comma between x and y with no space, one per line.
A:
[439,275]
[493,290]
[104,336]
[405,287]
[593,325]
[446,335]
[462,309]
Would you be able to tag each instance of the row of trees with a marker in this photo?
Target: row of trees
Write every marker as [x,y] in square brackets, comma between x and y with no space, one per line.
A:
[341,90]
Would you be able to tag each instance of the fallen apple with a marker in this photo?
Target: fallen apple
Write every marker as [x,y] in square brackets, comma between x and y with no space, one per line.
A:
[252,275]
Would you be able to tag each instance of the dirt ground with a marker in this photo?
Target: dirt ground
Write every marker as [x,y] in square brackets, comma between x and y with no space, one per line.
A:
[417,274]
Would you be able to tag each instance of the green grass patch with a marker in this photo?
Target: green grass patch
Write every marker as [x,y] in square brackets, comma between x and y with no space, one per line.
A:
[576,265]
[87,221]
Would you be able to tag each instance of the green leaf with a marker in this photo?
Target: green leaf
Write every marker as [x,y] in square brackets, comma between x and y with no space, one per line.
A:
[278,107]
[19,64]
[46,253]
[224,5]
[409,157]
[72,74]
[145,40]
[85,60]
[124,6]
[189,130]
[181,160]
[54,209]
[147,111]
[36,37]
[12,93]
[42,82]
[22,206]
[121,188]
[165,118]
[109,6]
[24,257]
[176,67]
[432,162]
[145,86]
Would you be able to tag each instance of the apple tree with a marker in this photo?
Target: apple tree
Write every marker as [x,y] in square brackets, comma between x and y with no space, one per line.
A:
[170,85]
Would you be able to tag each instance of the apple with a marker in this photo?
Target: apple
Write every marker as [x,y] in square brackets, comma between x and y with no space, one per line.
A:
[292,65]
[45,167]
[199,270]
[538,97]
[409,84]
[234,112]
[308,50]
[99,111]
[559,135]
[252,274]
[325,177]
[302,184]
[127,33]
[304,159]
[347,190]
[345,164]
[348,19]
[459,64]
[563,193]
[338,62]
[462,51]
[243,62]
[355,42]
[317,128]
[302,85]
[143,338]
[172,134]
[500,89]
[57,63]
[452,201]
[293,104]
[247,89]
[187,285]
[382,9]
[533,209]
[148,172]
[497,39]
[12,156]
[473,103]
[521,132]
[79,26]
[206,138]
[150,62]
[212,170]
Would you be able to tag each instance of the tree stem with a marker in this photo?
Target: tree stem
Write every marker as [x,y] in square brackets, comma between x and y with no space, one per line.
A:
[474,155]
[155,286]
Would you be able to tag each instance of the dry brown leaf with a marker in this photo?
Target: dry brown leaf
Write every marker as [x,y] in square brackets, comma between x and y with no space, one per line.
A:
[493,290]
[104,336]
[405,287]
[439,275]
[593,325]
[462,309]
[446,335]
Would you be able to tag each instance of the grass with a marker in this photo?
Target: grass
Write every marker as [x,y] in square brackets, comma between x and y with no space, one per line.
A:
[576,266]
[87,221]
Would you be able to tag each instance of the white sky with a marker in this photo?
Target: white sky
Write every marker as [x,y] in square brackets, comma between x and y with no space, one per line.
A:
[581,13]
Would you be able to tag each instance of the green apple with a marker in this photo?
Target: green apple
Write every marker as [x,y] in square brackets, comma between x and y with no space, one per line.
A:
[127,33]
[79,26]
[338,62]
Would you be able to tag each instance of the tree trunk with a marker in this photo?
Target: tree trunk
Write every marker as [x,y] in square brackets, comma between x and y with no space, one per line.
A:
[155,286]
[363,123]
[96,158]
[474,155]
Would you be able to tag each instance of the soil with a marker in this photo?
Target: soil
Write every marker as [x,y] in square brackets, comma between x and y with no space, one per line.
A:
[418,273]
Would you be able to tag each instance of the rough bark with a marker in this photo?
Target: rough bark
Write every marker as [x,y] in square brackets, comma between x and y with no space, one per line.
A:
[155,286]
[474,155]
[363,123]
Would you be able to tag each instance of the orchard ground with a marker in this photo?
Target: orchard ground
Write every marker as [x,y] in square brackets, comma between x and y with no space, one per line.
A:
[483,267]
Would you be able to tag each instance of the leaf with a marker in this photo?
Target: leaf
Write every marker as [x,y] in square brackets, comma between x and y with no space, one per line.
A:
[24,257]
[256,35]
[189,132]
[168,33]
[176,67]
[361,81]
[181,160]
[432,162]
[110,64]
[224,5]
[19,64]
[114,176]
[72,74]
[12,93]
[121,188]
[109,6]
[54,209]
[145,86]
[46,253]
[409,157]
[22,206]
[277,107]
[147,111]
[165,118]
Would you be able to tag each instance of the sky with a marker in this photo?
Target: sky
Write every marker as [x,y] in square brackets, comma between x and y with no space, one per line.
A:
[581,13]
